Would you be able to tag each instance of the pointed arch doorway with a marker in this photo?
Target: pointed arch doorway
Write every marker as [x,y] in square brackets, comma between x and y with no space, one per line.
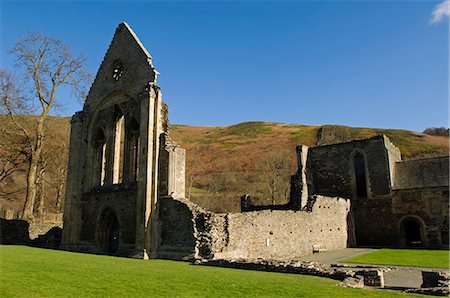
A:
[107,232]
[412,232]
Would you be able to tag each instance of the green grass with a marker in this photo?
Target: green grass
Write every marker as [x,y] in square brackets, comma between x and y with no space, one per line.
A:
[404,257]
[248,129]
[34,272]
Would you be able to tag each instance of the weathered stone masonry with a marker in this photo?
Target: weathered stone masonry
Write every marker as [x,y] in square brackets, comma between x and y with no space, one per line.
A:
[273,234]
[394,203]
[126,184]
[119,152]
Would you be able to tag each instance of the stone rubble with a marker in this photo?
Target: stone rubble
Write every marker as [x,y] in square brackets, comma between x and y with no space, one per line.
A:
[352,276]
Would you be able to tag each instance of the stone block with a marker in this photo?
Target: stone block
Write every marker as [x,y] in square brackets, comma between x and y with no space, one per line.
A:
[372,278]
[431,279]
[353,282]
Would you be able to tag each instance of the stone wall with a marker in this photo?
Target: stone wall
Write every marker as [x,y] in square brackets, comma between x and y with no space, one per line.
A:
[122,201]
[431,172]
[427,206]
[375,224]
[14,231]
[116,142]
[286,234]
[172,168]
[330,168]
[187,229]
[177,240]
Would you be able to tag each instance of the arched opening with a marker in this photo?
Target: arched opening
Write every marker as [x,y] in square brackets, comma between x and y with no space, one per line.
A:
[133,149]
[412,232]
[99,157]
[359,167]
[119,137]
[107,233]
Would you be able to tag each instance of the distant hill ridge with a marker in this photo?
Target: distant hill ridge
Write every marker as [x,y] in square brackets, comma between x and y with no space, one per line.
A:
[224,162]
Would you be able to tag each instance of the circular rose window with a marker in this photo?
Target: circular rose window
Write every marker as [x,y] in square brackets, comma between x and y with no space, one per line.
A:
[117,70]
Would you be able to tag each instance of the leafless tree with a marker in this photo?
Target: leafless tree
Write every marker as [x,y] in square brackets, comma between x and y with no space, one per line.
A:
[14,152]
[193,168]
[46,64]
[276,172]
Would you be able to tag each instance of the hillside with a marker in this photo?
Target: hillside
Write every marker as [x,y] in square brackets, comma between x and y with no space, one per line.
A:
[224,163]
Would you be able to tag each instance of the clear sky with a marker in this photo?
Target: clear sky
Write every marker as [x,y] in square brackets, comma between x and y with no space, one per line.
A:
[358,63]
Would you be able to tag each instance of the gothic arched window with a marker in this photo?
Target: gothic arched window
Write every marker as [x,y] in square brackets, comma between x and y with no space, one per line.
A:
[100,157]
[359,164]
[119,138]
[133,149]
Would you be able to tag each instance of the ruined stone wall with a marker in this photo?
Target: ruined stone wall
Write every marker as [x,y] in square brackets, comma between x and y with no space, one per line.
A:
[172,168]
[330,168]
[429,207]
[123,202]
[176,227]
[136,74]
[421,194]
[189,231]
[287,234]
[375,224]
[430,172]
[394,155]
[115,141]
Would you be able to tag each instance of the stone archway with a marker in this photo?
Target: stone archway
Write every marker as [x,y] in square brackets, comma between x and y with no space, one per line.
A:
[107,232]
[412,232]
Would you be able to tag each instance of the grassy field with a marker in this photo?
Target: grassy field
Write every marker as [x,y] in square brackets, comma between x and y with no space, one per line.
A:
[33,272]
[405,257]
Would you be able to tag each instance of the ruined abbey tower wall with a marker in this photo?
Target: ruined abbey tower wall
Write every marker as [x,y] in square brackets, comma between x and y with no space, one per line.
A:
[121,158]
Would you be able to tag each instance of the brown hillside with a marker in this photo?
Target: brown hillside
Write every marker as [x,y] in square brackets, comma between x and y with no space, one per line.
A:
[224,163]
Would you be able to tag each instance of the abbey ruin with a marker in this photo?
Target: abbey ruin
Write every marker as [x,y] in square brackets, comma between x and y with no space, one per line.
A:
[126,185]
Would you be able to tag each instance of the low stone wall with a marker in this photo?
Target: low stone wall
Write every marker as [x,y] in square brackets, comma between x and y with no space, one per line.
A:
[276,234]
[19,232]
[355,277]
[189,232]
[14,231]
[296,267]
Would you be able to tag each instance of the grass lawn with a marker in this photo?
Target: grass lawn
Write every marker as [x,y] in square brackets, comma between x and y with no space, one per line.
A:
[404,257]
[34,272]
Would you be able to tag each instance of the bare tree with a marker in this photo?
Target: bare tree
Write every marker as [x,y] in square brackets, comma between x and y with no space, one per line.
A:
[276,172]
[14,152]
[193,168]
[56,161]
[47,65]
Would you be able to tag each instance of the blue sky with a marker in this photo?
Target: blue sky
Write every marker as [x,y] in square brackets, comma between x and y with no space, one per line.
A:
[357,63]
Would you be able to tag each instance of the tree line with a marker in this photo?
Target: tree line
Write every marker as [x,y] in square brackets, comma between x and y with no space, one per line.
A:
[29,94]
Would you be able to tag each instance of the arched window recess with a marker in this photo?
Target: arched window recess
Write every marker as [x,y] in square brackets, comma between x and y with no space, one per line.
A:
[360,174]
[99,150]
[132,149]
[119,147]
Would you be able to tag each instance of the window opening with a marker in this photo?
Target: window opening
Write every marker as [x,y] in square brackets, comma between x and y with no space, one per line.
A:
[360,175]
[119,133]
[100,159]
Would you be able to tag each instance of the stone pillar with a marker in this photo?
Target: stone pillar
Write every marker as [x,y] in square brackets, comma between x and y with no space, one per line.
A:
[172,165]
[71,219]
[299,186]
[146,229]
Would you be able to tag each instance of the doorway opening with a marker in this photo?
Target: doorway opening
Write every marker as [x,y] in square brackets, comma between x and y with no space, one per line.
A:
[412,232]
[107,234]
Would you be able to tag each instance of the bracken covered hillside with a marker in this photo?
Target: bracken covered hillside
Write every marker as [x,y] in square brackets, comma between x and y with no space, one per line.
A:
[224,163]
